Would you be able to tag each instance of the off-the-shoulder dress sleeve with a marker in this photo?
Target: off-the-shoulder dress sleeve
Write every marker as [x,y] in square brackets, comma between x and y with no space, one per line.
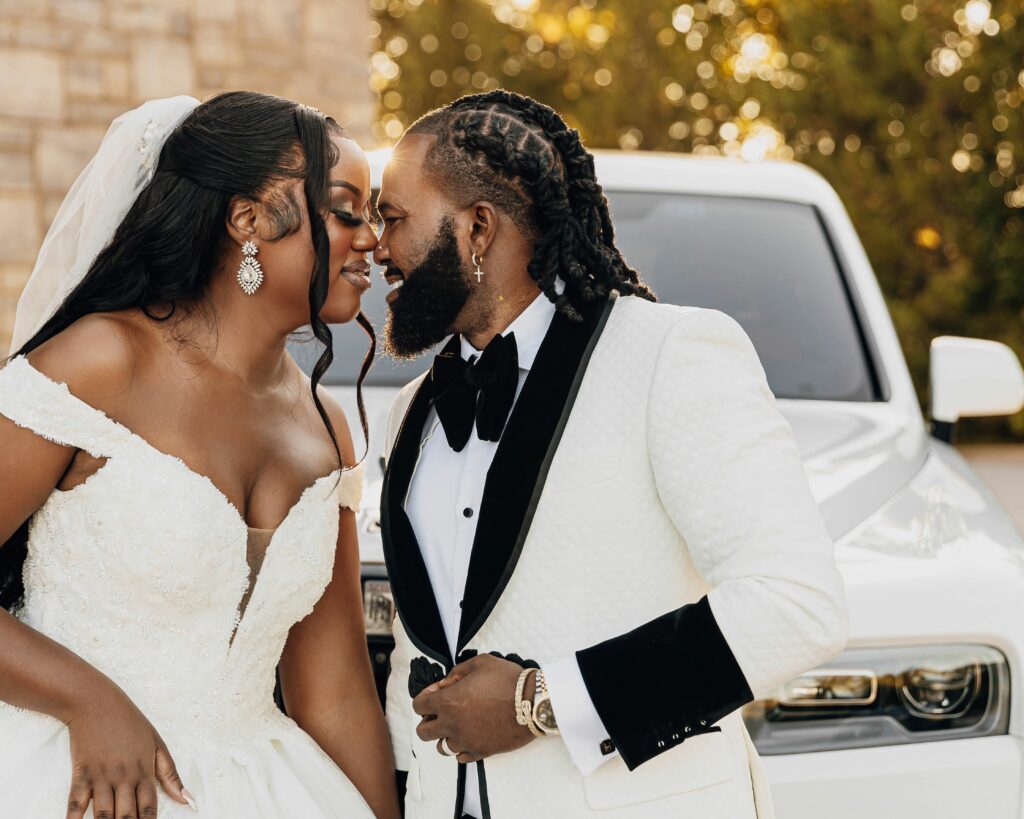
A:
[349,492]
[48,408]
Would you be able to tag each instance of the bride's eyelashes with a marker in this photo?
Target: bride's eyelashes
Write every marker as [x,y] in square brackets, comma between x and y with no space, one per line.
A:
[349,218]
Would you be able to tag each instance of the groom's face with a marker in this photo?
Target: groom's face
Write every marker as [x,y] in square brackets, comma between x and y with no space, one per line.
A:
[420,252]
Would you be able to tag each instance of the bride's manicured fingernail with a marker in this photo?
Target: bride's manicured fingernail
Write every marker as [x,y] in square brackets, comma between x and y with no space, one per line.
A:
[189,798]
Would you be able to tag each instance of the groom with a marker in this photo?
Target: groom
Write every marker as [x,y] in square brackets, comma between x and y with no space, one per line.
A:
[599,535]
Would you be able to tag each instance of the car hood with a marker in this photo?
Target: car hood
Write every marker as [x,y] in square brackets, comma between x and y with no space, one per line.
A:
[856,456]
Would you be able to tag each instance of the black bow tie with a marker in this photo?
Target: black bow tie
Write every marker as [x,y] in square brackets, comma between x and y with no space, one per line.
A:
[481,390]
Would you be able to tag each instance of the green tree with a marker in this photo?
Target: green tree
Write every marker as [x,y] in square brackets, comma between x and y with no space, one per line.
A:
[911,112]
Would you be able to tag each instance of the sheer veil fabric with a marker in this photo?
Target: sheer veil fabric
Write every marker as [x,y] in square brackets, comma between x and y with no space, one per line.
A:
[94,207]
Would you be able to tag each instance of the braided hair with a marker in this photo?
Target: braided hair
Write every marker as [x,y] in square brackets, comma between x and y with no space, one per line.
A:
[520,154]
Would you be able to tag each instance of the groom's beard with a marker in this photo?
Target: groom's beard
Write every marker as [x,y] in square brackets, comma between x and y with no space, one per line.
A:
[430,299]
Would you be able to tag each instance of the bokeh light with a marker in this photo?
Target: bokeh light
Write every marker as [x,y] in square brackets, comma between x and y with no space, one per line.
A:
[912,111]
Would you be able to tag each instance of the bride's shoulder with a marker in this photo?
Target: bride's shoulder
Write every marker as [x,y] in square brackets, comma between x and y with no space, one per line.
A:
[96,356]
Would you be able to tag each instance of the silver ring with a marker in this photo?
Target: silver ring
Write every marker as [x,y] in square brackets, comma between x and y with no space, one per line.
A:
[446,749]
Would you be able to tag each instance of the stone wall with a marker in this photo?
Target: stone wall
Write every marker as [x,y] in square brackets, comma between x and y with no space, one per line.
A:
[68,67]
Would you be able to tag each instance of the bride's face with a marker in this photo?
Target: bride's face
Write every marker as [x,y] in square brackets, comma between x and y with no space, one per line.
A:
[350,231]
[288,261]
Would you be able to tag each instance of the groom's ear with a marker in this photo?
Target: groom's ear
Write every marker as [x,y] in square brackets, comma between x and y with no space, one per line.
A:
[241,219]
[483,226]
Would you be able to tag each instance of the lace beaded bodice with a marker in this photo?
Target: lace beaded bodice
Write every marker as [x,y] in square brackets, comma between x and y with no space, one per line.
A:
[142,568]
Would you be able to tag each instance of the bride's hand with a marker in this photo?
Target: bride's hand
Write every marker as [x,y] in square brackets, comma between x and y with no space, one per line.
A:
[117,759]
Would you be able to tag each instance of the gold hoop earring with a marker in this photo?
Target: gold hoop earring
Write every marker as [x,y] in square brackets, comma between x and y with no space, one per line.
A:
[250,274]
[478,272]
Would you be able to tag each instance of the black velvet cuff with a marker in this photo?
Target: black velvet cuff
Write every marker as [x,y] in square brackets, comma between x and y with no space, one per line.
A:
[666,681]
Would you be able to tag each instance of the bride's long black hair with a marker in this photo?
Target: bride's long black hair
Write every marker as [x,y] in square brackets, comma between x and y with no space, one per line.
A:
[163,254]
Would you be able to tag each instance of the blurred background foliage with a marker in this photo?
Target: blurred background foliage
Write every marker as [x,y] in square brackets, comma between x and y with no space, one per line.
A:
[912,111]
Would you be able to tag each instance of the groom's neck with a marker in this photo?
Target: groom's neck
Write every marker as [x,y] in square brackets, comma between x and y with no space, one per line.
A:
[505,305]
[504,291]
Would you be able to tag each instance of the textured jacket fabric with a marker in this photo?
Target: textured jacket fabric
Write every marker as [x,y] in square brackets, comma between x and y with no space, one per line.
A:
[676,496]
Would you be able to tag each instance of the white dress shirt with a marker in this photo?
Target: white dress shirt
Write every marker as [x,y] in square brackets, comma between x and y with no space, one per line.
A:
[443,505]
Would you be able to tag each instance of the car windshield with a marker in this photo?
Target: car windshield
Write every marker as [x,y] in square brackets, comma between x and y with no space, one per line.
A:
[766,263]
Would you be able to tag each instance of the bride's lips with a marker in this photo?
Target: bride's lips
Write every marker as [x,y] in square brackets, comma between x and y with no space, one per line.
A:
[357,274]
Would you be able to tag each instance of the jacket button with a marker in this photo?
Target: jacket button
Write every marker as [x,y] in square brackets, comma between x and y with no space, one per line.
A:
[467,512]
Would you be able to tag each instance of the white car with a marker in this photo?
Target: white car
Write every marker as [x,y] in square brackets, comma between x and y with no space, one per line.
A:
[921,716]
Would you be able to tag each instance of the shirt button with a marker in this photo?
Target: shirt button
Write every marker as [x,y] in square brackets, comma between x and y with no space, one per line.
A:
[467,512]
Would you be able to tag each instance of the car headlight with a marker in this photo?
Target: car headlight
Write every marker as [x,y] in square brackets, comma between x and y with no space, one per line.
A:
[886,696]
[378,608]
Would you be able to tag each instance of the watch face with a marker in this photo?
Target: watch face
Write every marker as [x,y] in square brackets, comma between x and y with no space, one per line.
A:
[546,714]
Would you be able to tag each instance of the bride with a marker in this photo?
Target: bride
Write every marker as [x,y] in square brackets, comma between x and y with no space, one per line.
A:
[176,505]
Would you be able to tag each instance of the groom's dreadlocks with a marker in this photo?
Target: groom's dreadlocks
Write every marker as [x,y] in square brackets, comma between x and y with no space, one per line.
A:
[520,154]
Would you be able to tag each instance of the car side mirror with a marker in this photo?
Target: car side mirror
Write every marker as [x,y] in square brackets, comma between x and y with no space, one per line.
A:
[972,377]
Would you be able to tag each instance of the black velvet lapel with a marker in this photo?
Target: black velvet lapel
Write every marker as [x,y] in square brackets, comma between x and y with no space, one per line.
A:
[410,583]
[517,474]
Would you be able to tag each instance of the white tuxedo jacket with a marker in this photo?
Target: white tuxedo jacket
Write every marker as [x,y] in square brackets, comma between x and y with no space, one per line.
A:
[646,508]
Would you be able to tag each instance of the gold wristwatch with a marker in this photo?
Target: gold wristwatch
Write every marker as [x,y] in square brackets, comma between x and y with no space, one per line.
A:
[543,713]
[524,708]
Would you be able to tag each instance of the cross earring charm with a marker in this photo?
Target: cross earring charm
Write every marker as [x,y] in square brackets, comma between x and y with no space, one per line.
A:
[478,272]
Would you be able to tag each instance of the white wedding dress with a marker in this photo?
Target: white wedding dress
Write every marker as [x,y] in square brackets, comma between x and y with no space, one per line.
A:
[140,570]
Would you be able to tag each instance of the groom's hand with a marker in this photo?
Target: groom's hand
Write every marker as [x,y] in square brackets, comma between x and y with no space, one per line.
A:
[474,707]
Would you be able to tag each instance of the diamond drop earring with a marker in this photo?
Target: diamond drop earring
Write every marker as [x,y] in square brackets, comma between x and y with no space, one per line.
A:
[250,274]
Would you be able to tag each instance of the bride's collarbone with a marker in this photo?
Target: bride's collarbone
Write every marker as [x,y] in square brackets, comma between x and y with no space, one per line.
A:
[260,448]
[261,466]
